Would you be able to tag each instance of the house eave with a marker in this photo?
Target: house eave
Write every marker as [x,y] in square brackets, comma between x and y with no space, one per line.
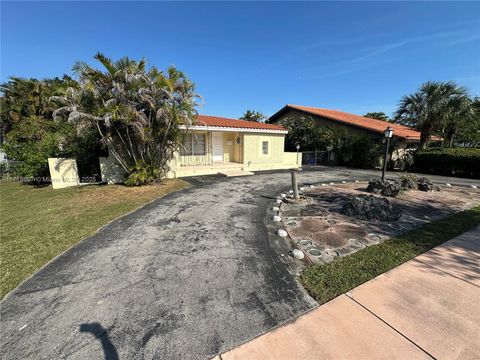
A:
[231,129]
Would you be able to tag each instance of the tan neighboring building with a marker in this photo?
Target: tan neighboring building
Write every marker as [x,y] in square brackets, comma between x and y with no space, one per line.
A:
[352,123]
[406,138]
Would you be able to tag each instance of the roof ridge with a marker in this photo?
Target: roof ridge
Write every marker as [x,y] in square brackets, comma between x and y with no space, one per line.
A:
[217,121]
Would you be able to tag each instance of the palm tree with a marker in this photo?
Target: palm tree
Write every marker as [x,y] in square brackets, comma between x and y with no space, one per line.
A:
[377,115]
[468,131]
[251,115]
[459,116]
[430,108]
[136,111]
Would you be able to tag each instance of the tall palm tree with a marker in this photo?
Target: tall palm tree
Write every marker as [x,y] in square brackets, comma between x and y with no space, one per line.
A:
[458,116]
[430,108]
[136,111]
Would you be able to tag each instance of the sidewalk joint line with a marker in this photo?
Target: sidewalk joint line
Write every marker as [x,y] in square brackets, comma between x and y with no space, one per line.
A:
[445,272]
[391,327]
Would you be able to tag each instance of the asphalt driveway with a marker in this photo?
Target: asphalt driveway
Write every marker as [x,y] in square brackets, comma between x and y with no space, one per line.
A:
[185,277]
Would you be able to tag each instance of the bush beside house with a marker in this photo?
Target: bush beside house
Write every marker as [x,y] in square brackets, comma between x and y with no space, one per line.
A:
[358,151]
[464,162]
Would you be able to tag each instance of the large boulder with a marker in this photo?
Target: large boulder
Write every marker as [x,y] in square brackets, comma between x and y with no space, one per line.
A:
[370,207]
[425,184]
[389,188]
[409,182]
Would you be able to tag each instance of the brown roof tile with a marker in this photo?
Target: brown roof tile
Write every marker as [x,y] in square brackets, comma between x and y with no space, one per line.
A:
[214,121]
[374,125]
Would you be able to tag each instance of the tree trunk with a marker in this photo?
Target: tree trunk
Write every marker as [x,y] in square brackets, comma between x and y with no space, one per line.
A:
[425,136]
[450,142]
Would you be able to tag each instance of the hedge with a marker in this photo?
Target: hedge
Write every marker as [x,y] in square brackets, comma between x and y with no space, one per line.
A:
[462,162]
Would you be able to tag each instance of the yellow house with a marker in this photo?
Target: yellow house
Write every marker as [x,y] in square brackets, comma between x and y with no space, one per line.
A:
[231,147]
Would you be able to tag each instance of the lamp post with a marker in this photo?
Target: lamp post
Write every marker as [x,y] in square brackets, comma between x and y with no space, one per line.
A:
[298,149]
[388,135]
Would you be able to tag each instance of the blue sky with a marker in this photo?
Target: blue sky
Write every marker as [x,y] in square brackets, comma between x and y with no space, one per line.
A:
[351,56]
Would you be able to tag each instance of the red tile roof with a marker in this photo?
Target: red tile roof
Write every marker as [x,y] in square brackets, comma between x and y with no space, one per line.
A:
[374,125]
[214,121]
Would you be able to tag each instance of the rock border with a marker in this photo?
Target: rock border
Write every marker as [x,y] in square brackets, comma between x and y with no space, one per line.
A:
[285,246]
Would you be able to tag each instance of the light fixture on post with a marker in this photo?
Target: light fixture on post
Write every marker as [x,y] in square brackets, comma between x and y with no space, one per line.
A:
[298,160]
[388,135]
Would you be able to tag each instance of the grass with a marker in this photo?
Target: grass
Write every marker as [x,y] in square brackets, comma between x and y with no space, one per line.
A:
[327,281]
[37,224]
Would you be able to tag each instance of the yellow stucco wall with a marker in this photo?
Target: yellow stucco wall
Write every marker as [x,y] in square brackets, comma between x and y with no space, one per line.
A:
[253,149]
[237,148]
[247,154]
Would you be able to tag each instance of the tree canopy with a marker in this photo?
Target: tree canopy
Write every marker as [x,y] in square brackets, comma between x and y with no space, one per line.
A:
[256,116]
[30,134]
[436,108]
[377,115]
[135,110]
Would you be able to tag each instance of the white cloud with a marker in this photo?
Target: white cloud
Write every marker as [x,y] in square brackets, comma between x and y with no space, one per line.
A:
[401,43]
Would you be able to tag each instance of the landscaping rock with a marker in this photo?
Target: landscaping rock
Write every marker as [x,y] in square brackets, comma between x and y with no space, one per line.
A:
[375,186]
[389,188]
[282,233]
[409,182]
[425,184]
[369,207]
[297,254]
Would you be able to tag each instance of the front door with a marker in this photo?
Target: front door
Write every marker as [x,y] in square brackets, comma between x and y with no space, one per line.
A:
[217,146]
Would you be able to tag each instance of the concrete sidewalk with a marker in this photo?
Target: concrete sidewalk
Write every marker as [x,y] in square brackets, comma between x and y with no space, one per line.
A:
[428,307]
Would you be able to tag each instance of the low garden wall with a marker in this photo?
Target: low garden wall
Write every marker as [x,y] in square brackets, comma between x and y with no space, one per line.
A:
[63,172]
[112,172]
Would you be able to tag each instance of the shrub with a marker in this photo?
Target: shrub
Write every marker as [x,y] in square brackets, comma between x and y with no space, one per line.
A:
[31,133]
[142,173]
[403,162]
[389,188]
[449,161]
[358,151]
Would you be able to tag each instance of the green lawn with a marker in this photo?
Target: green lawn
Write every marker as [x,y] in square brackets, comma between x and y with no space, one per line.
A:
[39,223]
[325,282]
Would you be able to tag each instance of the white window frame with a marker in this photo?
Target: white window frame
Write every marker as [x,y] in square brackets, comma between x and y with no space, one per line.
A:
[183,150]
[268,148]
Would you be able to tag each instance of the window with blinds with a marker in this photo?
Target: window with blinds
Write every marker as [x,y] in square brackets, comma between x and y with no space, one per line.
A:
[193,144]
[265,147]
